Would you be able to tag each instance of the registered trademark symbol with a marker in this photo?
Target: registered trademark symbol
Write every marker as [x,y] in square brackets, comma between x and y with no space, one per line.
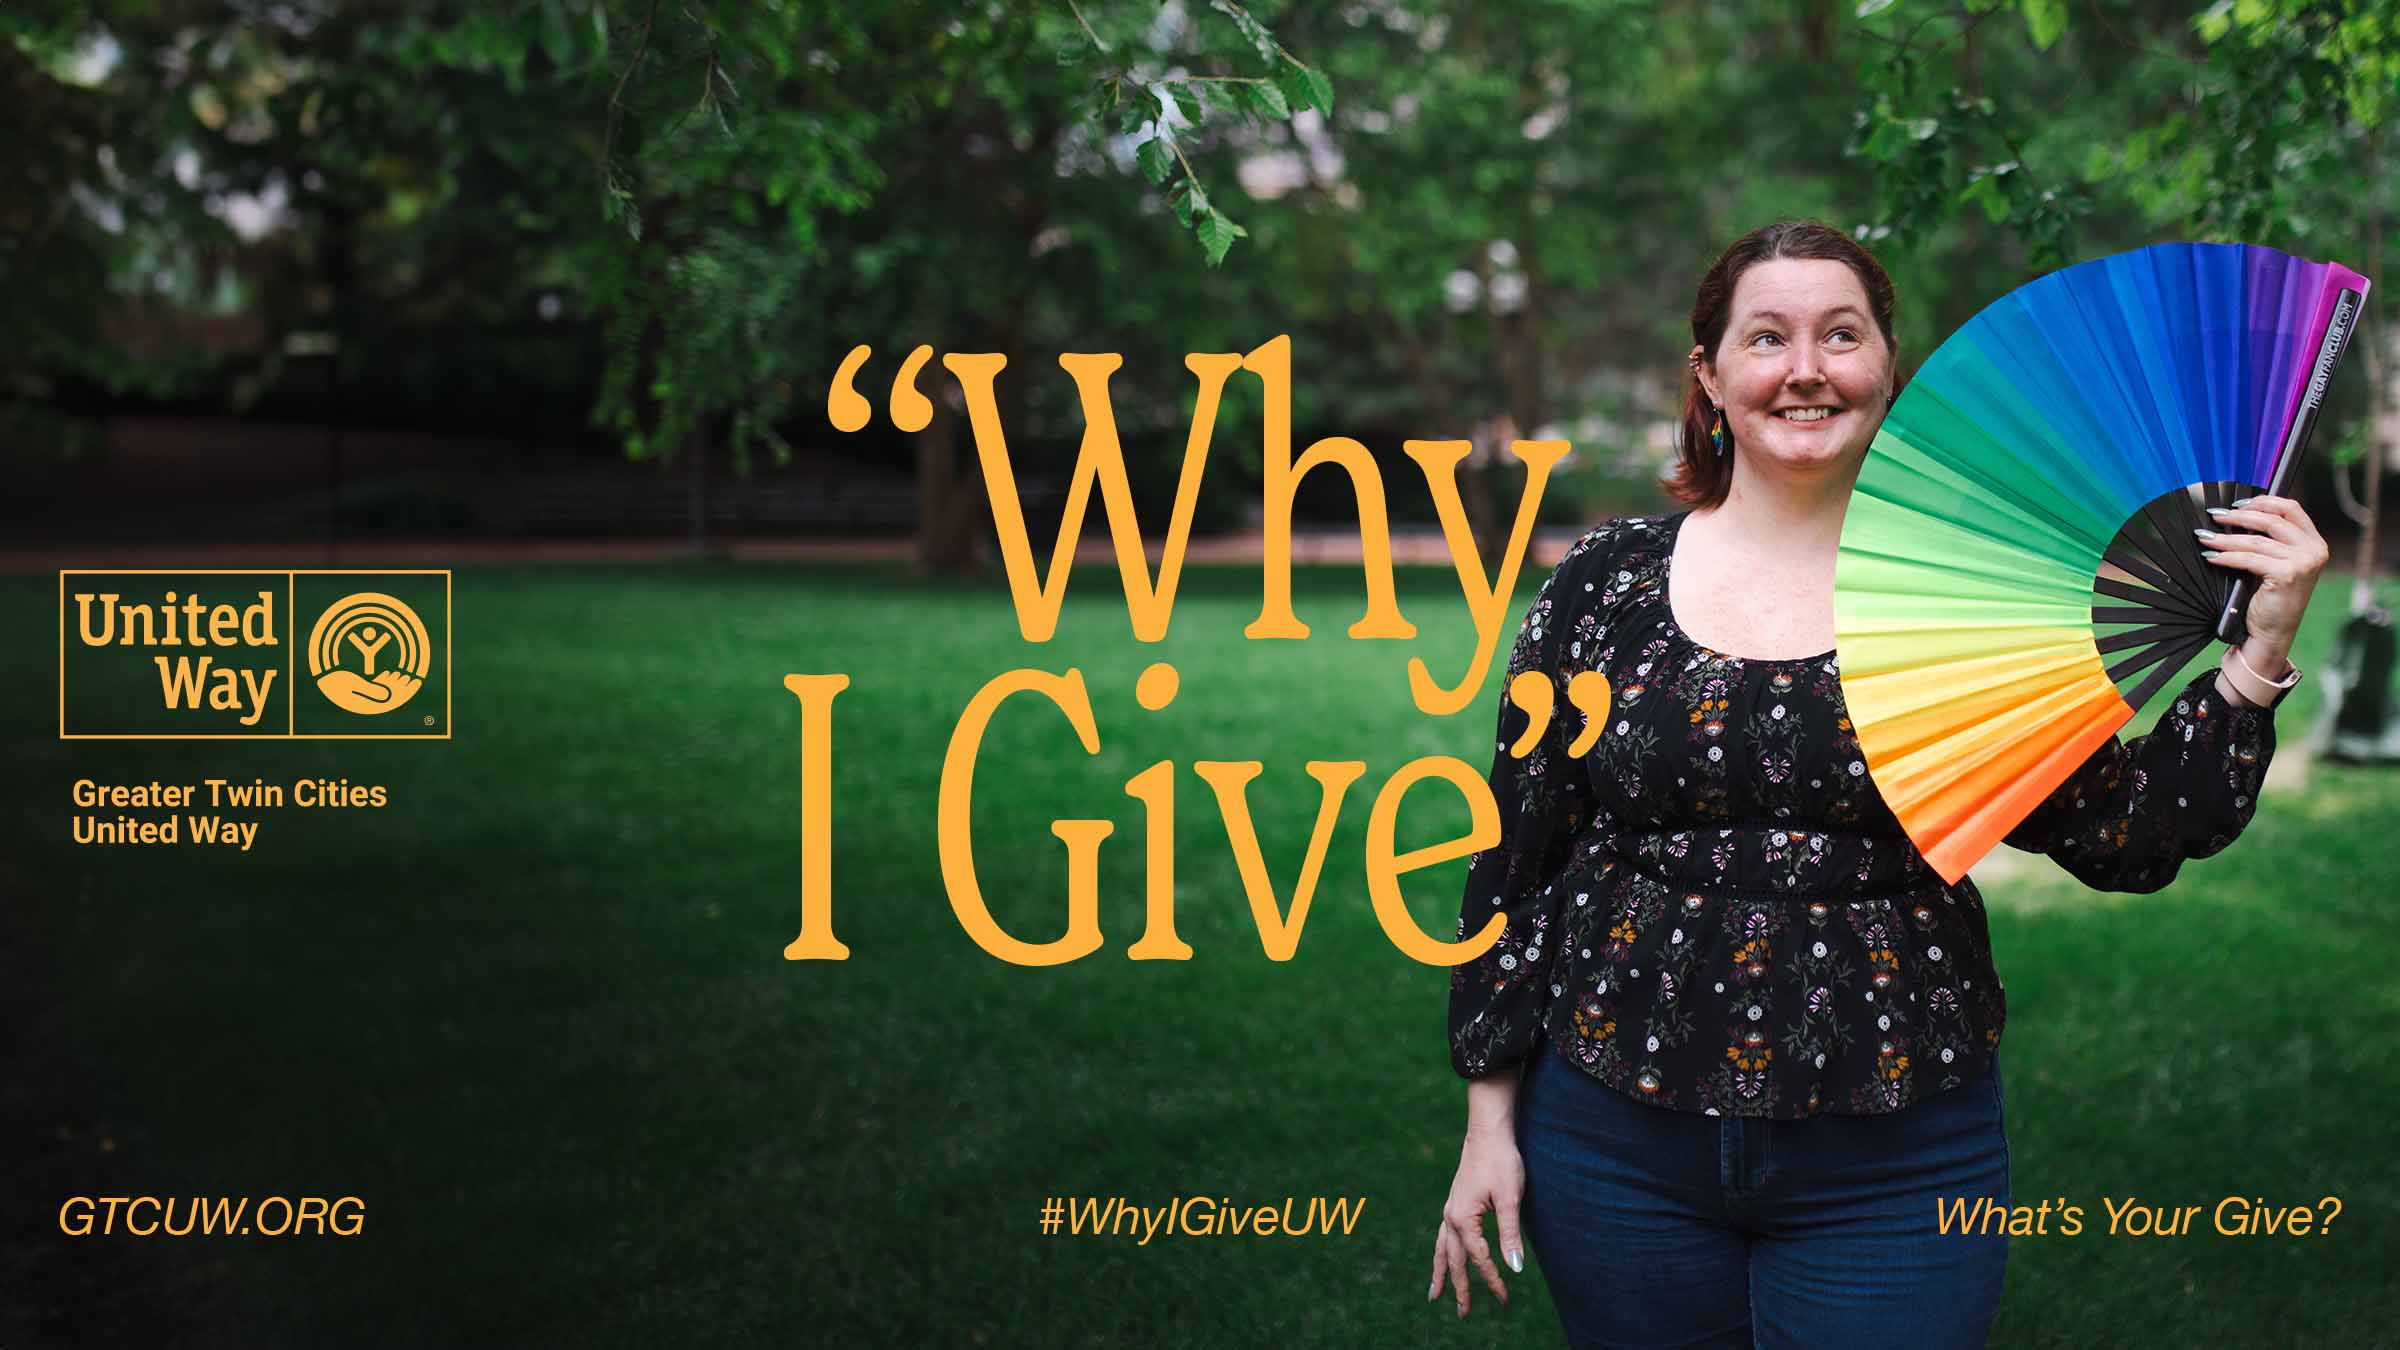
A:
[429,719]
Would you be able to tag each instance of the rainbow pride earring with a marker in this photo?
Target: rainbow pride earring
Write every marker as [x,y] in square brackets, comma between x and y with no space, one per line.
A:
[1716,430]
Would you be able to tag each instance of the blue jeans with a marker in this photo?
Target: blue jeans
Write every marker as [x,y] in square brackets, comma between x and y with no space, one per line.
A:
[1661,1228]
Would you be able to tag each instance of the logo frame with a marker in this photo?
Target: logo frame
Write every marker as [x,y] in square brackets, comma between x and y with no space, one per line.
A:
[290,640]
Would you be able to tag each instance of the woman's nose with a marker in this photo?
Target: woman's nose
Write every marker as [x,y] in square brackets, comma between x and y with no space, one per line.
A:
[1807,365]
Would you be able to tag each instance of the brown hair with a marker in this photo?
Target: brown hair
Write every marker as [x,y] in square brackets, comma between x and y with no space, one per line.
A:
[1702,476]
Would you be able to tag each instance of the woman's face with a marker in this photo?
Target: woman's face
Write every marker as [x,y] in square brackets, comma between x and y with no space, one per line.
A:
[1803,373]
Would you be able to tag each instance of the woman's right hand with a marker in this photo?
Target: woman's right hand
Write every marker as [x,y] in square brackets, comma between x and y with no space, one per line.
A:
[1490,1180]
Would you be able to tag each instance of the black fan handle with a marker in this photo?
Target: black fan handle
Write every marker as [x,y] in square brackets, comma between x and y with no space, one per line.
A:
[2304,423]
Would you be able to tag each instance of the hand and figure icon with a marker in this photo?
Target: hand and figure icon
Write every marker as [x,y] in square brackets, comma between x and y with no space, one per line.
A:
[349,690]
[369,642]
[358,628]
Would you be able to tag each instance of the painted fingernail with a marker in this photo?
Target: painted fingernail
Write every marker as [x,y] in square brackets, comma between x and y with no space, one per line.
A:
[1516,1262]
[2218,510]
[1434,1291]
[2207,556]
[2205,534]
[2245,501]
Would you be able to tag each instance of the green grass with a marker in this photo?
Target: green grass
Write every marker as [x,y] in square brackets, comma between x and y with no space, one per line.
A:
[536,1012]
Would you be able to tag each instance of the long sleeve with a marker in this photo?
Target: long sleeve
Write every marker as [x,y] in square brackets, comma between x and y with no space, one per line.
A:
[2129,817]
[1544,799]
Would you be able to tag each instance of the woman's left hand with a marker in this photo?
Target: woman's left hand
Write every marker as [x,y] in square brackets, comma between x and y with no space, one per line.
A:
[2285,556]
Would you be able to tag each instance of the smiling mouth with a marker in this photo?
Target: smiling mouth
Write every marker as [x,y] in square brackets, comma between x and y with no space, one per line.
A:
[1805,416]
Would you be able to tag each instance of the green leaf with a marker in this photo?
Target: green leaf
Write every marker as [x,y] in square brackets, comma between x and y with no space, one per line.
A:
[1181,200]
[1187,102]
[1294,88]
[2045,20]
[1867,8]
[1268,100]
[1251,28]
[1889,138]
[557,42]
[1986,193]
[1154,159]
[1217,233]
[1320,89]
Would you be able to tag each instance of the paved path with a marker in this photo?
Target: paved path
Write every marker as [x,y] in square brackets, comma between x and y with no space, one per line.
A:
[1409,547]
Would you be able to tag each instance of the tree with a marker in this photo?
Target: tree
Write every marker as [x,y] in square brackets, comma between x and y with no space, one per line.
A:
[1499,230]
[762,158]
[683,175]
[2262,121]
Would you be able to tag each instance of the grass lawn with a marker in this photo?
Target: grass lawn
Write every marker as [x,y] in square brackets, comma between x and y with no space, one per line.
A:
[535,1012]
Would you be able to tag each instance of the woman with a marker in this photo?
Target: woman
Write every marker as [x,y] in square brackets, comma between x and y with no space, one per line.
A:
[1736,1052]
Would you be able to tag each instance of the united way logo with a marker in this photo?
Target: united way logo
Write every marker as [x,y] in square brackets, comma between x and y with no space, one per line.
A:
[245,654]
[369,653]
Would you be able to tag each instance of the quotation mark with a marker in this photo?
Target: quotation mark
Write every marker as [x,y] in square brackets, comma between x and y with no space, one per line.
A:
[849,410]
[1536,694]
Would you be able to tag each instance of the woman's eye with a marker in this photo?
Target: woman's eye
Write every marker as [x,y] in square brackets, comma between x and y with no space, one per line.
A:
[1764,338]
[1841,335]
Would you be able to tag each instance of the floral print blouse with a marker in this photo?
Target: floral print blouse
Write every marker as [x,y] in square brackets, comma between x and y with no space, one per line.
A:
[1714,911]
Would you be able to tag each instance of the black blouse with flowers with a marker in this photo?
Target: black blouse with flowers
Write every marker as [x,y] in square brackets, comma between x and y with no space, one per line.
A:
[1714,910]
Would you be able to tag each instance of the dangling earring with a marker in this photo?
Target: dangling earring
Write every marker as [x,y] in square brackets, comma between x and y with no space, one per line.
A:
[1716,429]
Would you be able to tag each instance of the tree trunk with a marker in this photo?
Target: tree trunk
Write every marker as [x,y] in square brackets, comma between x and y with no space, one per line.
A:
[1517,350]
[950,496]
[950,488]
[1816,29]
[1476,486]
[695,449]
[1441,400]
[341,281]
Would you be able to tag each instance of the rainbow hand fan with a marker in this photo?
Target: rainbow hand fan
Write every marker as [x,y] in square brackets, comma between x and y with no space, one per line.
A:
[2017,569]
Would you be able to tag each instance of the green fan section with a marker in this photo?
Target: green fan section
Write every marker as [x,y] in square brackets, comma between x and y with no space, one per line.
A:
[1998,447]
[1935,569]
